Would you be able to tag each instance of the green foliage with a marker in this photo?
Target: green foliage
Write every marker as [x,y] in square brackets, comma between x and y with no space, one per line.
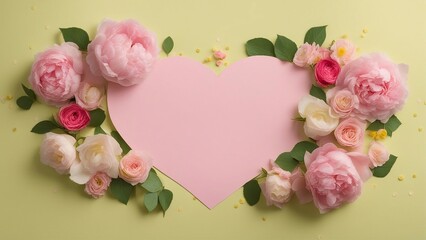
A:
[383,170]
[150,201]
[286,161]
[126,148]
[391,125]
[285,48]
[315,34]
[121,190]
[165,198]
[153,182]
[99,130]
[45,127]
[97,117]
[77,36]
[260,46]
[251,191]
[24,102]
[299,150]
[168,45]
[318,93]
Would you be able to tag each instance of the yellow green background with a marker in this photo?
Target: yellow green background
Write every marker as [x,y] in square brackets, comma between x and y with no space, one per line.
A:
[37,203]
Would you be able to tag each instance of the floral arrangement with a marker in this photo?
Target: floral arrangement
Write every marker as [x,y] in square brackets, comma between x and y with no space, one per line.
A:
[349,96]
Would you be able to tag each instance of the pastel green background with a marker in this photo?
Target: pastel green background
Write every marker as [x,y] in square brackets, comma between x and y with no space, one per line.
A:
[37,203]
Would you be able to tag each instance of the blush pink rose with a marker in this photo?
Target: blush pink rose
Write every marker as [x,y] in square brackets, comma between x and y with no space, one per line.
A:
[134,167]
[379,84]
[350,132]
[342,102]
[335,176]
[56,73]
[122,52]
[307,54]
[378,154]
[88,96]
[58,152]
[277,187]
[97,185]
[343,51]
[73,117]
[326,72]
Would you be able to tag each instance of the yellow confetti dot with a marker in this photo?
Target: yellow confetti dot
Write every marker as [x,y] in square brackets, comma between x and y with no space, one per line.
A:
[33,8]
[13,129]
[344,36]
[227,48]
[207,59]
[365,30]
[420,129]
[414,115]
[9,97]
[401,177]
[225,64]
[180,54]
[372,134]
[394,194]
[242,201]
[362,35]
[410,193]
[236,206]
[197,50]
[263,219]
[381,134]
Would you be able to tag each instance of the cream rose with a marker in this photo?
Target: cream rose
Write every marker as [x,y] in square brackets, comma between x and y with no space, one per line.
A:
[277,186]
[89,97]
[318,122]
[58,151]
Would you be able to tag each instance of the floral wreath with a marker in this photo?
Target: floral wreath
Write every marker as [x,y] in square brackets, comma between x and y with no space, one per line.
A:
[349,97]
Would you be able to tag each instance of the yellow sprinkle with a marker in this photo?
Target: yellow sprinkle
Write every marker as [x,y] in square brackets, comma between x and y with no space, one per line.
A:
[414,175]
[410,193]
[344,36]
[263,219]
[236,206]
[225,64]
[401,177]
[362,35]
[207,59]
[180,54]
[9,97]
[242,201]
[394,194]
[372,134]
[365,30]
[420,129]
[381,134]
[341,52]
[197,50]
[13,129]
[414,114]
[227,48]
[214,49]
[33,8]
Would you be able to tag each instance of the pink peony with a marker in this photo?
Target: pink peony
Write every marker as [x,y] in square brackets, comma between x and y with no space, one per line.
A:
[56,73]
[350,132]
[378,154]
[89,97]
[58,151]
[97,185]
[335,176]
[343,51]
[73,117]
[298,185]
[307,54]
[134,167]
[277,187]
[379,84]
[342,102]
[326,72]
[122,52]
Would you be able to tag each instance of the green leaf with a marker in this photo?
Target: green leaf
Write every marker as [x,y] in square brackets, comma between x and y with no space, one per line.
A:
[260,46]
[44,127]
[299,150]
[165,198]
[318,93]
[24,102]
[97,117]
[150,201]
[30,93]
[168,45]
[99,130]
[315,34]
[383,170]
[286,161]
[126,148]
[77,36]
[285,48]
[251,191]
[153,182]
[376,125]
[392,125]
[121,190]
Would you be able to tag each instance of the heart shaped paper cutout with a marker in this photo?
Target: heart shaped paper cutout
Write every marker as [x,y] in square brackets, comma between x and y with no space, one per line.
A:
[212,134]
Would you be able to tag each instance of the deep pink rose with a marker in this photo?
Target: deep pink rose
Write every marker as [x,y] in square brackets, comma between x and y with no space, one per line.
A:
[122,52]
[350,132]
[73,117]
[335,176]
[97,185]
[56,73]
[379,84]
[326,72]
[134,167]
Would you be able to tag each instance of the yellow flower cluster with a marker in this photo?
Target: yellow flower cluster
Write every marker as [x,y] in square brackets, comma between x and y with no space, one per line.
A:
[380,134]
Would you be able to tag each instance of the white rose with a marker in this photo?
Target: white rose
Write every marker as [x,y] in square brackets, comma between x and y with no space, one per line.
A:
[58,151]
[89,97]
[98,153]
[318,122]
[378,154]
[277,187]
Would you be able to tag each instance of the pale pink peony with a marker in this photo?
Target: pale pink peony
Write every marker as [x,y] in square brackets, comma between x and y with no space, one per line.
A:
[378,154]
[56,73]
[307,54]
[88,96]
[298,185]
[342,102]
[134,167]
[343,51]
[58,151]
[277,187]
[350,132]
[379,85]
[326,72]
[335,176]
[73,117]
[122,52]
[97,185]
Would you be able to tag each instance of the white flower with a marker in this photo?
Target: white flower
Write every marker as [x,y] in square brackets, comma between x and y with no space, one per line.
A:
[58,151]
[318,122]
[98,153]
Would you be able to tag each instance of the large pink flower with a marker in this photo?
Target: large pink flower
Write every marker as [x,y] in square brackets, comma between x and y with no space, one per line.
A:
[379,84]
[335,176]
[56,73]
[122,52]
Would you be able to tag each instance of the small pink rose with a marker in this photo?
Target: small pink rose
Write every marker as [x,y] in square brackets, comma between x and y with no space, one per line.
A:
[56,73]
[73,117]
[219,55]
[307,54]
[97,185]
[326,72]
[335,176]
[277,187]
[134,167]
[343,51]
[350,132]
[342,102]
[89,97]
[378,154]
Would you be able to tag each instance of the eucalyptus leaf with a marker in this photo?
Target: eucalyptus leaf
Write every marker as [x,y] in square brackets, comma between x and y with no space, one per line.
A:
[285,48]
[165,198]
[318,93]
[168,45]
[286,161]
[251,192]
[124,146]
[150,201]
[97,117]
[24,102]
[77,36]
[44,127]
[316,34]
[121,190]
[299,150]
[30,93]
[99,130]
[260,46]
[383,170]
[153,182]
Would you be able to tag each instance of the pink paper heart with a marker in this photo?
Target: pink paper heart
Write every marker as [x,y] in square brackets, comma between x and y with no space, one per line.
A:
[209,133]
